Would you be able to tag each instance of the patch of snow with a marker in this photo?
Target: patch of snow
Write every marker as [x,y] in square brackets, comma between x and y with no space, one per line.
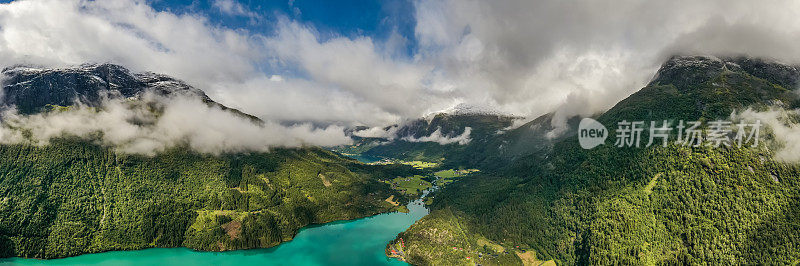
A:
[469,109]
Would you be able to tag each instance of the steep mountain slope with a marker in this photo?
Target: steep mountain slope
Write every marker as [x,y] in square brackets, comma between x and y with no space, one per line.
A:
[655,205]
[33,89]
[491,145]
[76,196]
[476,128]
[493,140]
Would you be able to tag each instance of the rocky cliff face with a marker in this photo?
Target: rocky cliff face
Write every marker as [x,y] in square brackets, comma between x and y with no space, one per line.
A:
[787,76]
[31,89]
[686,71]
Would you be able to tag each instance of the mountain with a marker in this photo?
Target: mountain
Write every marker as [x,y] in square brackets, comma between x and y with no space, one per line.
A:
[471,109]
[36,89]
[452,138]
[481,128]
[75,196]
[493,143]
[616,205]
[31,89]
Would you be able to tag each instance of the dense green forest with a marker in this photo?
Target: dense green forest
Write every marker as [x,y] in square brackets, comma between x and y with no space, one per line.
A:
[655,205]
[73,197]
[537,199]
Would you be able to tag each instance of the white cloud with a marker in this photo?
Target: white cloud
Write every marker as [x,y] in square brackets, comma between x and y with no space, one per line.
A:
[355,66]
[292,99]
[776,120]
[438,137]
[233,8]
[223,62]
[389,133]
[59,33]
[132,127]
[581,57]
[521,57]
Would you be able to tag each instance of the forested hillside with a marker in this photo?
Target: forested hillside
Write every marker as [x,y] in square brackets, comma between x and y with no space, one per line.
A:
[492,142]
[76,194]
[618,205]
[482,128]
[72,197]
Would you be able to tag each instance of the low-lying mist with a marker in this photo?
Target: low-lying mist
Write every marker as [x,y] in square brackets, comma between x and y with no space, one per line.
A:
[154,123]
[391,134]
[781,126]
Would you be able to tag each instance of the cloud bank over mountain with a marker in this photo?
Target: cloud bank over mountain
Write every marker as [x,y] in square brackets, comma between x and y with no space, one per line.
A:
[440,138]
[777,121]
[521,57]
[158,123]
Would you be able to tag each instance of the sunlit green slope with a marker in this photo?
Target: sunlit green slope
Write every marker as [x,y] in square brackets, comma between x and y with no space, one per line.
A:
[611,205]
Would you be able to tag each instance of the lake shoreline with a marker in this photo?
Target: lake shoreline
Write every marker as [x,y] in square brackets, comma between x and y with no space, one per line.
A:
[388,225]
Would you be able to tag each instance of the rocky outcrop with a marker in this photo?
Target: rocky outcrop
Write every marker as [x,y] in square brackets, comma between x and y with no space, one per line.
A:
[31,89]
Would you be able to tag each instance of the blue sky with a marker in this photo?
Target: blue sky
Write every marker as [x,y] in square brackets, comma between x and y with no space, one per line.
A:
[379,62]
[376,19]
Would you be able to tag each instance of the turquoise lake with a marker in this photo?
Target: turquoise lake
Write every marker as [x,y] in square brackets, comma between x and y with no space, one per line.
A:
[356,242]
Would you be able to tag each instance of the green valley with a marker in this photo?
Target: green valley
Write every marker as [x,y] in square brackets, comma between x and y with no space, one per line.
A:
[611,205]
[399,132]
[73,193]
[73,197]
